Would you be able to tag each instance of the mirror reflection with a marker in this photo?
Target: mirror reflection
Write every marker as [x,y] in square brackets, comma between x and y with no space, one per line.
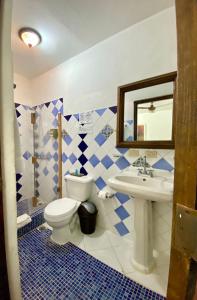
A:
[148,113]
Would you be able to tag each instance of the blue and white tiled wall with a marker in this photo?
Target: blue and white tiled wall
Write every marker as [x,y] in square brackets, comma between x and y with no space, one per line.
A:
[46,147]
[94,153]
[24,176]
[46,169]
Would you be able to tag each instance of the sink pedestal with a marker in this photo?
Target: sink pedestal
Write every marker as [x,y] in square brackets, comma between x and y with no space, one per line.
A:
[143,244]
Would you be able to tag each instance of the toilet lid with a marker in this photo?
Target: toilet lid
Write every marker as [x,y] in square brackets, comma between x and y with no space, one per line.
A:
[58,209]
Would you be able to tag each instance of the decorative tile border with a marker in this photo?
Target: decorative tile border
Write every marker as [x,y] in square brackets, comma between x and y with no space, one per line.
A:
[18,186]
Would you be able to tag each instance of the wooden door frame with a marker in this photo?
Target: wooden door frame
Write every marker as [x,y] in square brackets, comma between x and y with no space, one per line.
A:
[185,139]
[4,286]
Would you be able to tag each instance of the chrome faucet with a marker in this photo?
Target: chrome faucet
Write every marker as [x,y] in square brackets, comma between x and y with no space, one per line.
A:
[143,165]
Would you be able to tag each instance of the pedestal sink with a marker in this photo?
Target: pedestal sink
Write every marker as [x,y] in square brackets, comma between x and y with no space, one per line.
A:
[144,189]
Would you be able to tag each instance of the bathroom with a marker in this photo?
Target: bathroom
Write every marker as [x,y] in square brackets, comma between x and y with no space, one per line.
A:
[97,150]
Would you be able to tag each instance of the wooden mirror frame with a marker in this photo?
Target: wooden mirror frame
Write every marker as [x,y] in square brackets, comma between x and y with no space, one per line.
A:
[161,79]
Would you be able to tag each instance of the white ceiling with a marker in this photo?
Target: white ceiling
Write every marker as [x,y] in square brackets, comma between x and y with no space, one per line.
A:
[69,27]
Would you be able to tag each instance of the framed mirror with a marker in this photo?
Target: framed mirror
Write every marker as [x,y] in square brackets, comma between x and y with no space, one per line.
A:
[146,111]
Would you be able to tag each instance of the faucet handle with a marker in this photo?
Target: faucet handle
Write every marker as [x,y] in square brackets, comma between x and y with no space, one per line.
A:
[146,164]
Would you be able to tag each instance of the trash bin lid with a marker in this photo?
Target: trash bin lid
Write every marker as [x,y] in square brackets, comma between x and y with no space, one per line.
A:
[87,208]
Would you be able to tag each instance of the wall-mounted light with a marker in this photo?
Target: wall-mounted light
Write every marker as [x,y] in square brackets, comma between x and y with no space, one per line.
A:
[30,36]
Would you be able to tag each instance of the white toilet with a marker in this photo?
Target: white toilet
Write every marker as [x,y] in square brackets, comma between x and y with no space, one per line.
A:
[58,214]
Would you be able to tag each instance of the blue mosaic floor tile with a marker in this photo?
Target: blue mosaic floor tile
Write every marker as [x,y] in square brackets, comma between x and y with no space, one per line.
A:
[22,207]
[36,214]
[49,271]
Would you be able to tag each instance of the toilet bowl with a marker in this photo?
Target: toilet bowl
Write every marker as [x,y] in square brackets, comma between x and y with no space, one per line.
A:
[59,213]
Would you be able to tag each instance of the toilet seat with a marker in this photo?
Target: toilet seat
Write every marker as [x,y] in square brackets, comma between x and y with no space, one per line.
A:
[57,210]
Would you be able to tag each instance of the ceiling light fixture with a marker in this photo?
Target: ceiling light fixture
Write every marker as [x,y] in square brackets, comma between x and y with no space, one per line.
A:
[30,36]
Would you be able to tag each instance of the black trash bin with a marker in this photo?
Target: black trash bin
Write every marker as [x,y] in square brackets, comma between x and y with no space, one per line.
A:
[87,212]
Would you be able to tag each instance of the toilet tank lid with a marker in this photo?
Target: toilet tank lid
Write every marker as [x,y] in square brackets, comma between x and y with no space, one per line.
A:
[82,179]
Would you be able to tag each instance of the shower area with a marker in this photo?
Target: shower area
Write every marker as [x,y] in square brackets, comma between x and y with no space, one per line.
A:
[38,157]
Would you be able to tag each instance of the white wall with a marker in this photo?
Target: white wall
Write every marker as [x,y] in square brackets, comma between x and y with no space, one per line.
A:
[90,80]
[22,92]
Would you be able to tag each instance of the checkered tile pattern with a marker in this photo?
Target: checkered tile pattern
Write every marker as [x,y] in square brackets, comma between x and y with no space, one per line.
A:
[47,149]
[46,169]
[24,182]
[50,271]
[18,186]
[96,154]
[93,153]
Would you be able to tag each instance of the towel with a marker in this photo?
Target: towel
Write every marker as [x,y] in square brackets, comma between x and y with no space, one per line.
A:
[23,220]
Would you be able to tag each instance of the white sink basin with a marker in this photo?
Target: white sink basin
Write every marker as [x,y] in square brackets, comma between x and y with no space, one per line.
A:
[158,188]
[144,189]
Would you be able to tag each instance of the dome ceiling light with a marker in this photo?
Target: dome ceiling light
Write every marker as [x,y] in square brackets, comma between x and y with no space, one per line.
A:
[30,36]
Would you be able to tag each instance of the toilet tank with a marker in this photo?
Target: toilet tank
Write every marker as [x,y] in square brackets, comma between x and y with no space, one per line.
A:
[79,188]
